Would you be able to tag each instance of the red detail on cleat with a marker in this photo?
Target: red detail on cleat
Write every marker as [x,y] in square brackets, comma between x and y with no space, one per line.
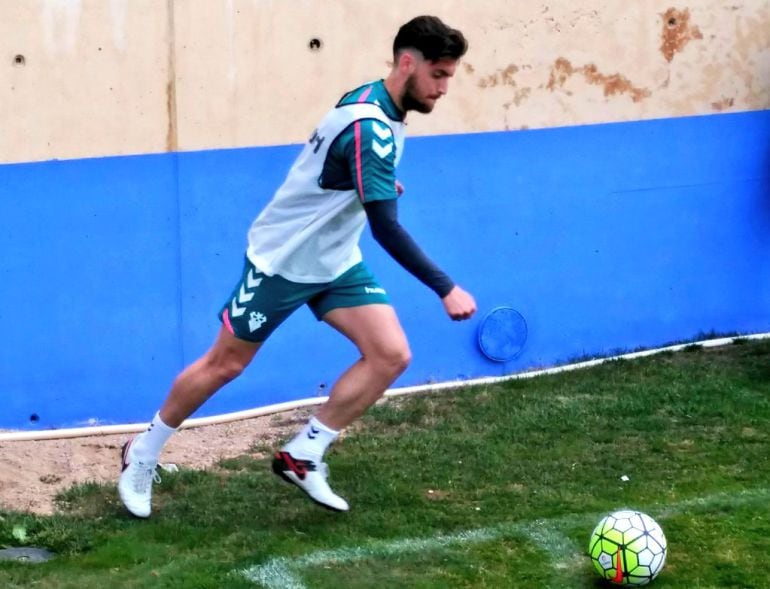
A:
[124,457]
[297,468]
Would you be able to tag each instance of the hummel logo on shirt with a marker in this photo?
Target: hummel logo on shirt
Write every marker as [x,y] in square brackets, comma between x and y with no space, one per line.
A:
[370,290]
[382,131]
[382,144]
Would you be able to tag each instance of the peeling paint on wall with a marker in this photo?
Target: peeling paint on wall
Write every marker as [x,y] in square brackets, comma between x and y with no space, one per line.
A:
[612,84]
[518,98]
[677,32]
[723,104]
[502,76]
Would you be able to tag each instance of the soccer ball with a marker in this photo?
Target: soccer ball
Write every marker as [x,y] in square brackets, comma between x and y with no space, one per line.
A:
[628,548]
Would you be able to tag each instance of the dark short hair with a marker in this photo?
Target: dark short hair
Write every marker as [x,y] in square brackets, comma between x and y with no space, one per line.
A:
[431,37]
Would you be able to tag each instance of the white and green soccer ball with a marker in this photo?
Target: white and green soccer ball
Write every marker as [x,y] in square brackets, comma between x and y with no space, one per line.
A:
[628,548]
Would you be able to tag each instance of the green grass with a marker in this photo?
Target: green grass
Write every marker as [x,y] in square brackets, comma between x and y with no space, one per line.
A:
[690,429]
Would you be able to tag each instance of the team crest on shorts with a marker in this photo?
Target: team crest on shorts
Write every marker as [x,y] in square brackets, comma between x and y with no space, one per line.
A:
[255,321]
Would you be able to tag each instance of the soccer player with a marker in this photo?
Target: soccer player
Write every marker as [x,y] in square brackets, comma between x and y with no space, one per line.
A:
[303,249]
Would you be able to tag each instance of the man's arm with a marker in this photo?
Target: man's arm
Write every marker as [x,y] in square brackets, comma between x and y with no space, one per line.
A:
[390,234]
[383,220]
[371,161]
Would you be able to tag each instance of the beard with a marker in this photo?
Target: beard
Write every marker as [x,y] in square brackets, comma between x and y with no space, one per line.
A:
[410,102]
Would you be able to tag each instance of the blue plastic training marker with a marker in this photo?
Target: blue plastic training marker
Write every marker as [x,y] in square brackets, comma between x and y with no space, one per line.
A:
[502,334]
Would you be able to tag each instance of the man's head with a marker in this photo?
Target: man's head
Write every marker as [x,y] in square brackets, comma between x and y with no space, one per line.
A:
[425,55]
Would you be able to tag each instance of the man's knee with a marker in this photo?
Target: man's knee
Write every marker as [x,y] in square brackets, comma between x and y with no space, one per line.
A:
[226,367]
[228,357]
[394,359]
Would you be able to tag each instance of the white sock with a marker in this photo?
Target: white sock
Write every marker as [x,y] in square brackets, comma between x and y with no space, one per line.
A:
[312,441]
[147,445]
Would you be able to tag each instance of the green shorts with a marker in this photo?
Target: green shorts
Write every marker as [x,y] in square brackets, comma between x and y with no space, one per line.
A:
[260,303]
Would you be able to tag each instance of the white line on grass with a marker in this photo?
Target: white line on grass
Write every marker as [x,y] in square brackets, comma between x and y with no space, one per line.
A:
[547,534]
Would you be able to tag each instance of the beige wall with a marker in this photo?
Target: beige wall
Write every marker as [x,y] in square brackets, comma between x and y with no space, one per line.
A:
[93,81]
[109,77]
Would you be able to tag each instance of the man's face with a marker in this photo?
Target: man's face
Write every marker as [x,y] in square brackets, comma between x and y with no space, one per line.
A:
[427,83]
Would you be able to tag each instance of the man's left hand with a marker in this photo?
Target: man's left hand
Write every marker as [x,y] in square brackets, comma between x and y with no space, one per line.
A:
[459,304]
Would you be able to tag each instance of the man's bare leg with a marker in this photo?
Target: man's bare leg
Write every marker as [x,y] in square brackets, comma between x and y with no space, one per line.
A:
[385,354]
[224,362]
[195,384]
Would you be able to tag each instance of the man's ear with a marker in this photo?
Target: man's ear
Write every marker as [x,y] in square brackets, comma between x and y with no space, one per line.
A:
[406,62]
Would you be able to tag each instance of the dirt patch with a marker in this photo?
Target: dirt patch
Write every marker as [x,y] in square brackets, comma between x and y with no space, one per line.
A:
[33,472]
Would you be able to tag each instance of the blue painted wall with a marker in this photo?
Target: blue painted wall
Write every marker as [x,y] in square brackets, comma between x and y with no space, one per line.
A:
[604,237]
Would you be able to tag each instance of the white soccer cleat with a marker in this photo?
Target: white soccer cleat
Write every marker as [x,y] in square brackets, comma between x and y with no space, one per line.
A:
[135,485]
[311,477]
